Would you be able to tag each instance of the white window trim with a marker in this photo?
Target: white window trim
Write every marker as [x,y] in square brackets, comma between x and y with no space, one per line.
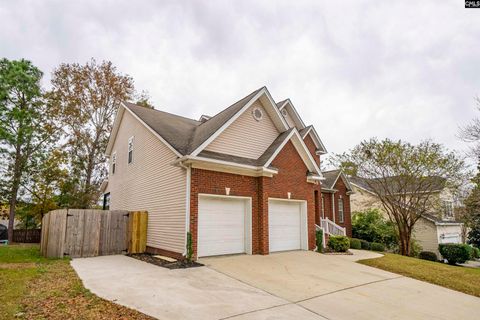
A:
[113,167]
[254,113]
[323,206]
[130,143]
[448,204]
[341,217]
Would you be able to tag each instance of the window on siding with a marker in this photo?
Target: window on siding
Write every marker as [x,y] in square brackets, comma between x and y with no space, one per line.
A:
[448,205]
[114,162]
[106,201]
[323,206]
[130,150]
[340,210]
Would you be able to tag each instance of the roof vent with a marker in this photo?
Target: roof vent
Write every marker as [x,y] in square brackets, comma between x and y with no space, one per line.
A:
[257,114]
[284,112]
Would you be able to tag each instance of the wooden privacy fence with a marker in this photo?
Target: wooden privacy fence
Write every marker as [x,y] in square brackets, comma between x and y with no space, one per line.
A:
[27,235]
[89,233]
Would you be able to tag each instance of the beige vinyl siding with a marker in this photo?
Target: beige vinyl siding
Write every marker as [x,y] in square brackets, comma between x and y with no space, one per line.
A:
[149,183]
[362,200]
[425,233]
[246,137]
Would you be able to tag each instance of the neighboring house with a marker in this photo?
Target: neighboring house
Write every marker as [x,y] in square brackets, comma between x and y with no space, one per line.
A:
[438,226]
[336,191]
[246,180]
[4,216]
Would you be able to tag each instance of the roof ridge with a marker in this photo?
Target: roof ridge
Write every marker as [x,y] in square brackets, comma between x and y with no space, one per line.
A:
[193,144]
[233,104]
[165,112]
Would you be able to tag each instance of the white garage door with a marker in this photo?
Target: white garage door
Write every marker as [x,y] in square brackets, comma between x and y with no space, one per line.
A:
[221,226]
[285,225]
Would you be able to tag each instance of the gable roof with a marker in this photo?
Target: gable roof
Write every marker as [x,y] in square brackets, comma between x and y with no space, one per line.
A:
[206,129]
[434,184]
[331,178]
[176,130]
[287,103]
[186,136]
[270,153]
[316,139]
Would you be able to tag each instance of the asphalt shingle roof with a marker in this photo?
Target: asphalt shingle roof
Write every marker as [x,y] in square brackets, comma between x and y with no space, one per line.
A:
[431,184]
[184,134]
[330,178]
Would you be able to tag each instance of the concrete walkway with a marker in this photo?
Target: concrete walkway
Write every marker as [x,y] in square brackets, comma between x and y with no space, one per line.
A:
[290,285]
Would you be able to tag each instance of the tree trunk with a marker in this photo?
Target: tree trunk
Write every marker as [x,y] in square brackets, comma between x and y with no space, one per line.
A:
[11,217]
[405,236]
[14,193]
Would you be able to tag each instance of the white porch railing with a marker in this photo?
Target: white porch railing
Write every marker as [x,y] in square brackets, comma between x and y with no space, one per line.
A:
[331,228]
[317,227]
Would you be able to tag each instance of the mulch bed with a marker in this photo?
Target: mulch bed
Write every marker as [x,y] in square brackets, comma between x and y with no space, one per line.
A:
[327,251]
[180,264]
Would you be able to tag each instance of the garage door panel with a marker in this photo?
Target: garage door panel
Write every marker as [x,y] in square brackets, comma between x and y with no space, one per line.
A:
[221,226]
[284,226]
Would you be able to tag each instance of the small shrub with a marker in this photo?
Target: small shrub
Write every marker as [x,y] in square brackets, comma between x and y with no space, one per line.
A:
[371,225]
[428,255]
[339,243]
[376,246]
[355,244]
[415,248]
[455,253]
[475,253]
[365,245]
[189,247]
[319,240]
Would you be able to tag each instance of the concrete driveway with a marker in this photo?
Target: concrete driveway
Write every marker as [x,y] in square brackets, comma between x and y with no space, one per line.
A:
[289,285]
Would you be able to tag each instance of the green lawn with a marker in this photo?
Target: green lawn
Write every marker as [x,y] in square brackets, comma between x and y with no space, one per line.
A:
[458,278]
[33,287]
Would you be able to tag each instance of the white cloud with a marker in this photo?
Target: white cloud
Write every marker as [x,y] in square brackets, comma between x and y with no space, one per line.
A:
[354,69]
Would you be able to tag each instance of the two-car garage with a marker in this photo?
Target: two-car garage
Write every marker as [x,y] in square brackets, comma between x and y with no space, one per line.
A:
[225,224]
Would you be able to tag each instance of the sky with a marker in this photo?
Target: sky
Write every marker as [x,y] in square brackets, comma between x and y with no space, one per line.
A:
[354,69]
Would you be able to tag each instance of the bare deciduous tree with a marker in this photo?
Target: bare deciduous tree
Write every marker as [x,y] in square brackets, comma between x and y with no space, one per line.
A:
[87,98]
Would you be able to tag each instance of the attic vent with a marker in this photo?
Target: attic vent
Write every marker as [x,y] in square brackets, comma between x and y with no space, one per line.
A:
[257,114]
[284,112]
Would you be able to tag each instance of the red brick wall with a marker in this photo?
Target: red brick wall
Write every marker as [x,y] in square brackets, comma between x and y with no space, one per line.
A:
[311,147]
[342,191]
[292,177]
[327,198]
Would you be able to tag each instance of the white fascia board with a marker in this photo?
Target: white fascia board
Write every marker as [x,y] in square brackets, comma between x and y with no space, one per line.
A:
[154,132]
[360,187]
[227,163]
[345,180]
[115,127]
[262,92]
[303,147]
[316,139]
[273,106]
[280,147]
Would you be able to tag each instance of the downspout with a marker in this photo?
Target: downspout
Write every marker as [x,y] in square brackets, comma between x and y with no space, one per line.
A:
[187,203]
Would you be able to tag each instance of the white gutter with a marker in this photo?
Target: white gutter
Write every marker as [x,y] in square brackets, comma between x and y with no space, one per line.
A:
[228,163]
